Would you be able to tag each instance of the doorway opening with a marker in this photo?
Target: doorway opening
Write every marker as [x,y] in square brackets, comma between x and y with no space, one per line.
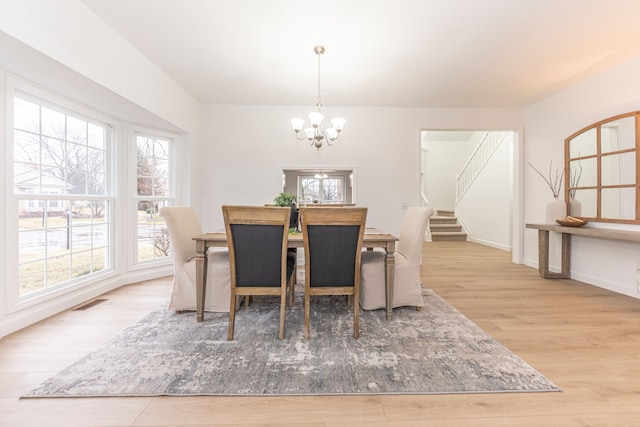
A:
[469,174]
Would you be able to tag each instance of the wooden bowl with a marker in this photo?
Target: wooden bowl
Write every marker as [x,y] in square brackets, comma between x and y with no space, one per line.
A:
[571,223]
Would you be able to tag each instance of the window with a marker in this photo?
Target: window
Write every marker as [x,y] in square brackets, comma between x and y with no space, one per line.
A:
[154,189]
[60,178]
[321,188]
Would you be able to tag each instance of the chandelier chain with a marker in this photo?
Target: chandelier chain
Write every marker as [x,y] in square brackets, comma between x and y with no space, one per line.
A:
[319,101]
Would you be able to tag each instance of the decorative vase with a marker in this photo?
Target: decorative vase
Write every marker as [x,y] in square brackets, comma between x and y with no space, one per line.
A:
[575,207]
[556,209]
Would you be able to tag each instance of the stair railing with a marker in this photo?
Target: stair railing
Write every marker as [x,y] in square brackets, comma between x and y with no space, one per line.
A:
[484,150]
[425,201]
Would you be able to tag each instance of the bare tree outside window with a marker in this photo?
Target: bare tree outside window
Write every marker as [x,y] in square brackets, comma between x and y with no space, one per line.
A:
[60,177]
[153,157]
[323,189]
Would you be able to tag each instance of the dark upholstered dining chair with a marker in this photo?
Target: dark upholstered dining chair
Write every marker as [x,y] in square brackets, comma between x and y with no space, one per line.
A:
[332,244]
[257,238]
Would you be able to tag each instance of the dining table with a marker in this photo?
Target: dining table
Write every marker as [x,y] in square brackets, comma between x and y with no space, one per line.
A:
[372,238]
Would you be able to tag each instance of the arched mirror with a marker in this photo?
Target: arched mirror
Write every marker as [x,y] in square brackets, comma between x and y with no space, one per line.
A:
[601,169]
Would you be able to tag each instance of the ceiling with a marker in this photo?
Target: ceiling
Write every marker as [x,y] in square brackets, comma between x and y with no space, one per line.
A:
[380,53]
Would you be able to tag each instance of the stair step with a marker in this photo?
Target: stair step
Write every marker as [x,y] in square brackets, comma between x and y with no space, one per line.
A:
[446,212]
[448,236]
[443,220]
[445,227]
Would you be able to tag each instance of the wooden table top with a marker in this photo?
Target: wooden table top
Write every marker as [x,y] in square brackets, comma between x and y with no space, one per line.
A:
[373,237]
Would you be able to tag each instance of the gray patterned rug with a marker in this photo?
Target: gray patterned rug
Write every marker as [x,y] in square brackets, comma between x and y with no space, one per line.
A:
[432,351]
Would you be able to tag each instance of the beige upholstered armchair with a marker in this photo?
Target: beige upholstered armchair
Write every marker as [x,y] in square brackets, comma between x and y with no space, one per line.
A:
[408,257]
[183,224]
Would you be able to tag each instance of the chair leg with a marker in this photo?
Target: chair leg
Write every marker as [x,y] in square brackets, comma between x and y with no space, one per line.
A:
[306,315]
[291,286]
[290,296]
[232,317]
[418,308]
[283,302]
[356,318]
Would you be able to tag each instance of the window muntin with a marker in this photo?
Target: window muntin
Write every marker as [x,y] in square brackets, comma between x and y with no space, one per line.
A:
[60,183]
[601,166]
[154,189]
[320,188]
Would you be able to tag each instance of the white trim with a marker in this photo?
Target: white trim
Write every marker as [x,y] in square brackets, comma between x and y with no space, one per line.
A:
[4,180]
[21,319]
[132,133]
[517,199]
[16,87]
[517,211]
[51,302]
[315,168]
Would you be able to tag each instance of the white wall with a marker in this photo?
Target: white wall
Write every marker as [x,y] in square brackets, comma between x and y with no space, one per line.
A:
[65,49]
[245,147]
[84,58]
[486,208]
[444,160]
[604,263]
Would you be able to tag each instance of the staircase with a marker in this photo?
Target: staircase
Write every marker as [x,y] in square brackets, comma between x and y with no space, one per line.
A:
[444,227]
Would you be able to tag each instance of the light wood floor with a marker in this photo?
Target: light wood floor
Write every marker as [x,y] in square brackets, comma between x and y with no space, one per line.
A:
[584,339]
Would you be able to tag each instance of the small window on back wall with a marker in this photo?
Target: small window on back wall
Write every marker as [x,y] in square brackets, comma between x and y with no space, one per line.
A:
[321,188]
[154,189]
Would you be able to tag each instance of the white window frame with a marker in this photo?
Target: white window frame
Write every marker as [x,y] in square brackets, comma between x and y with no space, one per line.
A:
[16,87]
[321,179]
[174,139]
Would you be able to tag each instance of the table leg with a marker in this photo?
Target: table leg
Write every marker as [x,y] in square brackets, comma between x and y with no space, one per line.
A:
[390,269]
[201,277]
[543,256]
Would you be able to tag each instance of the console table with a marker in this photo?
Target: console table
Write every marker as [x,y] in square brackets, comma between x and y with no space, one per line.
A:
[543,244]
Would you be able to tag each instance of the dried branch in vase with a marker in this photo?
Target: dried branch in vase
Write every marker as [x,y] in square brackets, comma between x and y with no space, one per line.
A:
[554,183]
[574,180]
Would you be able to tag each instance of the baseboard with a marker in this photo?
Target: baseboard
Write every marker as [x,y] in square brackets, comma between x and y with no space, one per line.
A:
[591,280]
[605,284]
[20,319]
[501,246]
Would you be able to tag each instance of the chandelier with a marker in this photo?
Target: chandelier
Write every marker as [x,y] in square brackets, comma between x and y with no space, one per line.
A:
[315,134]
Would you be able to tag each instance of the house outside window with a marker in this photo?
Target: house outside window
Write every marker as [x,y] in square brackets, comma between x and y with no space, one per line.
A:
[60,182]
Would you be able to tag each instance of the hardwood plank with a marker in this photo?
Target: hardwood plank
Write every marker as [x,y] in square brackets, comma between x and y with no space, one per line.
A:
[583,338]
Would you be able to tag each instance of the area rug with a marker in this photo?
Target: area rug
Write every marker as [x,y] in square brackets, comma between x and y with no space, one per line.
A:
[433,351]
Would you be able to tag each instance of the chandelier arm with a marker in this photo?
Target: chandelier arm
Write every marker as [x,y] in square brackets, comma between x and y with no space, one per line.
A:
[329,141]
[298,136]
